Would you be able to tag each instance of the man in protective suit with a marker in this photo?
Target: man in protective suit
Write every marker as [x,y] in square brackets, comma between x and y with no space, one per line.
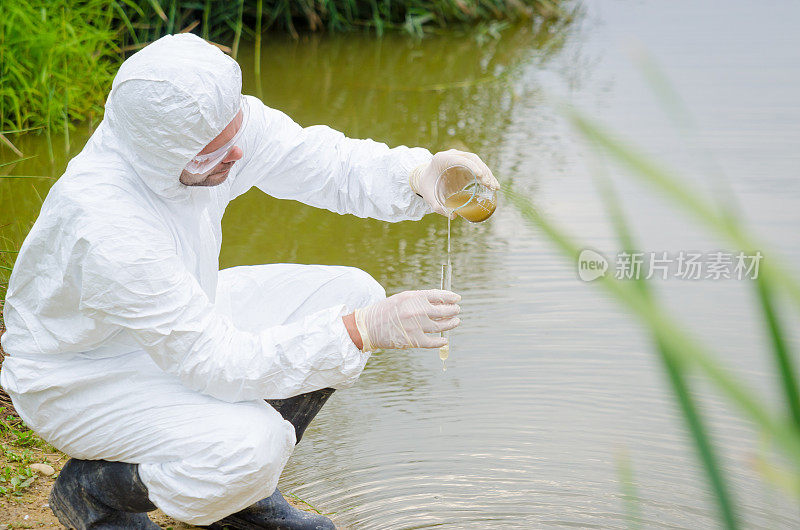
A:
[131,352]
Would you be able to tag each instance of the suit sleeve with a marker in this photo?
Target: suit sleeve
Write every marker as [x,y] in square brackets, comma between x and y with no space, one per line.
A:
[321,167]
[138,283]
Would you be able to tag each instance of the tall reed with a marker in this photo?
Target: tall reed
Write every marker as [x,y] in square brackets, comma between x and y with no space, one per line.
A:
[224,22]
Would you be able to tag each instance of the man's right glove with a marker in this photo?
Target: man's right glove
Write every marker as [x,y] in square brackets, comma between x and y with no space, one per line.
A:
[405,320]
[423,178]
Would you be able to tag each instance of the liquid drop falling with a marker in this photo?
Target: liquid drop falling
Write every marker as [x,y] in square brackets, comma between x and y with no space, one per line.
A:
[444,351]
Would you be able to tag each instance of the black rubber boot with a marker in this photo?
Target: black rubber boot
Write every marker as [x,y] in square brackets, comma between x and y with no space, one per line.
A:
[274,513]
[95,494]
[301,409]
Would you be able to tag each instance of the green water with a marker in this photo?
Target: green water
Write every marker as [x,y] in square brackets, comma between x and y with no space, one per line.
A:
[546,383]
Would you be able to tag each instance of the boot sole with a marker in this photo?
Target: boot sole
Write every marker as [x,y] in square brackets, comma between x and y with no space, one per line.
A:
[234,524]
[60,509]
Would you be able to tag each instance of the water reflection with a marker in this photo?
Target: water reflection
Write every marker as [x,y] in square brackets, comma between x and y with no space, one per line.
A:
[442,91]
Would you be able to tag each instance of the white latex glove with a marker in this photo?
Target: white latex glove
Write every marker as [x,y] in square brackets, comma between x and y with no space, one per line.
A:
[405,320]
[423,177]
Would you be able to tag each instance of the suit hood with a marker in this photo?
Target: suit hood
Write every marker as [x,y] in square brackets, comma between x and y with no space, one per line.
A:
[167,102]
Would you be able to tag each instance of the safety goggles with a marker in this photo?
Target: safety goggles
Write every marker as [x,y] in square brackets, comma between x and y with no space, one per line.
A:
[204,163]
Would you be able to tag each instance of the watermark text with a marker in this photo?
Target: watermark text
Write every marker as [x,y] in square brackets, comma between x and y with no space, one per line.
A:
[663,265]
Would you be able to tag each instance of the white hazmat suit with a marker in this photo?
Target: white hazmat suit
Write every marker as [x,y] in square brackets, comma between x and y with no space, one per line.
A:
[124,340]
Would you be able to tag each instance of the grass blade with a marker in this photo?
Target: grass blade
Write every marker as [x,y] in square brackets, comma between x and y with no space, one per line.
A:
[257,48]
[677,372]
[783,357]
[3,164]
[631,499]
[206,12]
[160,12]
[700,437]
[10,145]
[238,30]
[126,20]
[17,131]
[25,177]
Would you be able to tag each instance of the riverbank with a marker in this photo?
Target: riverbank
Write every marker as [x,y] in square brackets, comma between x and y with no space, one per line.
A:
[58,39]
[28,468]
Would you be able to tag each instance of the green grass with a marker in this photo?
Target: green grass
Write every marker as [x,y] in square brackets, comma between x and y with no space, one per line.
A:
[8,255]
[56,60]
[20,447]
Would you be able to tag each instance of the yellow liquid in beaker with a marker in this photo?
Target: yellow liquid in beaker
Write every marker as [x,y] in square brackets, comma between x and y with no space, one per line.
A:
[475,210]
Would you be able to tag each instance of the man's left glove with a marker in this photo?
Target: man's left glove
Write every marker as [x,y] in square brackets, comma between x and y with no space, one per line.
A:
[423,178]
[408,320]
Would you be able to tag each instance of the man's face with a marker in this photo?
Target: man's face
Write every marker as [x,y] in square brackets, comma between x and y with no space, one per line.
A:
[218,173]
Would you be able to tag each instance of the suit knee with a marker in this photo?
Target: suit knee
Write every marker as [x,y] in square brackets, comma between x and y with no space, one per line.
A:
[251,454]
[259,455]
[234,469]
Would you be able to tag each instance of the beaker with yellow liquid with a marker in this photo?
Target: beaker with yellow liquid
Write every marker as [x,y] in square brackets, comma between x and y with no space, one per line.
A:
[458,190]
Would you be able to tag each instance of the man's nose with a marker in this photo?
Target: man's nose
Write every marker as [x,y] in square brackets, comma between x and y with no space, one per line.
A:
[234,154]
